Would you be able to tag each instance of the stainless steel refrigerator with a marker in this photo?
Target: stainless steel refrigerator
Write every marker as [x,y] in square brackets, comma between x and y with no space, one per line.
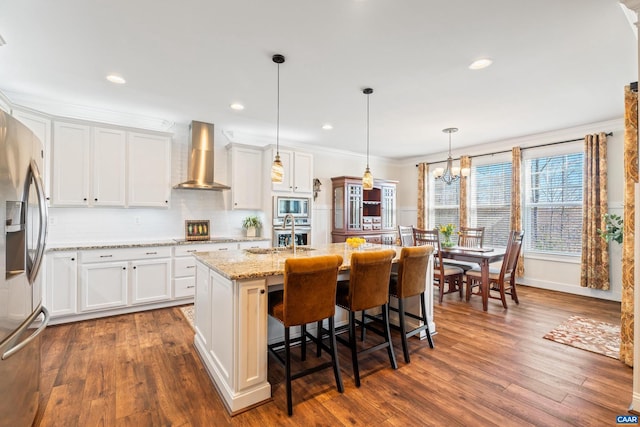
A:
[23,212]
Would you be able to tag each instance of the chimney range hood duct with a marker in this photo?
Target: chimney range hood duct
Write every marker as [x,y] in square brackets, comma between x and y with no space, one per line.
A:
[200,167]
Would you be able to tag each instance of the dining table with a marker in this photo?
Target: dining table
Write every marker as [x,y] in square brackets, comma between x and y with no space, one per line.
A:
[483,257]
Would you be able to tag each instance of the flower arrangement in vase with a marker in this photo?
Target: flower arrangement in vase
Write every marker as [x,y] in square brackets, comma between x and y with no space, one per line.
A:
[446,230]
[251,224]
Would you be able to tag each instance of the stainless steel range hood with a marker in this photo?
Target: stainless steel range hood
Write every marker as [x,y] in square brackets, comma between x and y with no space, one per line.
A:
[201,155]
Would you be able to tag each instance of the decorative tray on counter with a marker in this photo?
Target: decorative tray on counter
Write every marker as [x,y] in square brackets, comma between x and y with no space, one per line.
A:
[196,229]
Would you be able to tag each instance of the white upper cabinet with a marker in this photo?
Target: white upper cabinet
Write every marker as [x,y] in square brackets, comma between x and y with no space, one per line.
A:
[298,172]
[104,166]
[70,179]
[149,170]
[246,176]
[41,127]
[109,160]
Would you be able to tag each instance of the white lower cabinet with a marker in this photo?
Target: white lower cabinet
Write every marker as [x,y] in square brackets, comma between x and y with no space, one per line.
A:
[150,280]
[61,283]
[203,305]
[252,328]
[231,336]
[103,285]
[112,278]
[97,282]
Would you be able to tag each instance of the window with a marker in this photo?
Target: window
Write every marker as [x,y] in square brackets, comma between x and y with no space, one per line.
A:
[553,203]
[490,194]
[445,205]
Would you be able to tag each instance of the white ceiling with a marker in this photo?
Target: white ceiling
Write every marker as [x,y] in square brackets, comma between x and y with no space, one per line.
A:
[557,64]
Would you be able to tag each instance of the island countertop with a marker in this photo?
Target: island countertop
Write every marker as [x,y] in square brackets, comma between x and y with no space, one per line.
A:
[247,264]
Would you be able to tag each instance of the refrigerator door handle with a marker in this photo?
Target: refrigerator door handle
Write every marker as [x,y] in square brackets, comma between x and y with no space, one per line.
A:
[42,236]
[18,332]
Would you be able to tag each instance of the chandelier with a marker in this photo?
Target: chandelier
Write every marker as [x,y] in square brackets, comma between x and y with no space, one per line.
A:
[450,173]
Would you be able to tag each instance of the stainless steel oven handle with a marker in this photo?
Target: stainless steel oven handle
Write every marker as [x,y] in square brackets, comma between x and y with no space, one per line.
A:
[42,236]
[16,334]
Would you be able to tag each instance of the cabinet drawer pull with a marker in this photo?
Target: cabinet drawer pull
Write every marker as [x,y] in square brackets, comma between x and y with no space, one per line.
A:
[223,249]
[106,256]
[191,266]
[192,250]
[152,253]
[191,286]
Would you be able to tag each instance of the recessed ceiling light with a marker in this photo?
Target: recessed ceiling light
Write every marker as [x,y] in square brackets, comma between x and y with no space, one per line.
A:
[237,106]
[327,126]
[480,64]
[116,78]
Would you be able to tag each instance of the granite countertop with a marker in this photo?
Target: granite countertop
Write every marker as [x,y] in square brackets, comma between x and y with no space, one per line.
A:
[53,247]
[243,264]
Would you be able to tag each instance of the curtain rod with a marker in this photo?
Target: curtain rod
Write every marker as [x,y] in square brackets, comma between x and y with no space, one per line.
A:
[521,148]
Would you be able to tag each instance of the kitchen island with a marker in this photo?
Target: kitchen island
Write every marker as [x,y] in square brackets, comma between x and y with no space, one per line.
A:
[232,328]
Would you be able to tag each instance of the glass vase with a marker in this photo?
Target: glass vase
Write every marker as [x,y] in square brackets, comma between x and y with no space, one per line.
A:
[447,243]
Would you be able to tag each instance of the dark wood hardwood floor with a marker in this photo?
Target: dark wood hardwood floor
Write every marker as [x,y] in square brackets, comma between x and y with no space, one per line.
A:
[488,368]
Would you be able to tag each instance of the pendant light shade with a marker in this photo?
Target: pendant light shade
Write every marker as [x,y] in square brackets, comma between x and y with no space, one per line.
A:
[367,178]
[277,170]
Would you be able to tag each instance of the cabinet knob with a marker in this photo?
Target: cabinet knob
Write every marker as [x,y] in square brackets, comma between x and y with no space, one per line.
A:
[95,200]
[262,291]
[166,201]
[85,199]
[73,259]
[124,268]
[134,267]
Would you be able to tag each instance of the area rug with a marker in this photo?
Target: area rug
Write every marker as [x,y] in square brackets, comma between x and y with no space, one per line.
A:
[188,312]
[587,334]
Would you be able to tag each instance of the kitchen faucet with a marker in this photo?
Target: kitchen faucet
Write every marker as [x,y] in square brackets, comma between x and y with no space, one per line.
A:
[293,230]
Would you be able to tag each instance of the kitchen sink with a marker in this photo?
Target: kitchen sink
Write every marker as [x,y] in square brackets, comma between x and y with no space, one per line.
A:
[278,250]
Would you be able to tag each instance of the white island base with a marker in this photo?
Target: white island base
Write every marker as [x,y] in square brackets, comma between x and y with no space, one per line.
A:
[231,320]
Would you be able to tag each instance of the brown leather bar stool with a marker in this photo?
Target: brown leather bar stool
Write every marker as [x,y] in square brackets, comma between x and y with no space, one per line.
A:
[411,281]
[367,288]
[308,296]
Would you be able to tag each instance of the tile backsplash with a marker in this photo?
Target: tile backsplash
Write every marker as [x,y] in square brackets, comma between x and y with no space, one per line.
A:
[85,225]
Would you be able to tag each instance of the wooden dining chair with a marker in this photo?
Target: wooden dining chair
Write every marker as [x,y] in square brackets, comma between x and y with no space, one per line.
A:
[443,274]
[471,237]
[367,288]
[501,280]
[409,282]
[308,296]
[405,233]
[468,237]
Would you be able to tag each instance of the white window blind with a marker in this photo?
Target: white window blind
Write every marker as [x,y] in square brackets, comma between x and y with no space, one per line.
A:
[445,207]
[490,189]
[553,204]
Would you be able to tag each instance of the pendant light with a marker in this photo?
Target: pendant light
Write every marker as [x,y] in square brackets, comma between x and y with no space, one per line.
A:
[277,170]
[367,178]
[450,173]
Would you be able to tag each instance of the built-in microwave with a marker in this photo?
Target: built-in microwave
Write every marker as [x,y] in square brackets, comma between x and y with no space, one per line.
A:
[298,207]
